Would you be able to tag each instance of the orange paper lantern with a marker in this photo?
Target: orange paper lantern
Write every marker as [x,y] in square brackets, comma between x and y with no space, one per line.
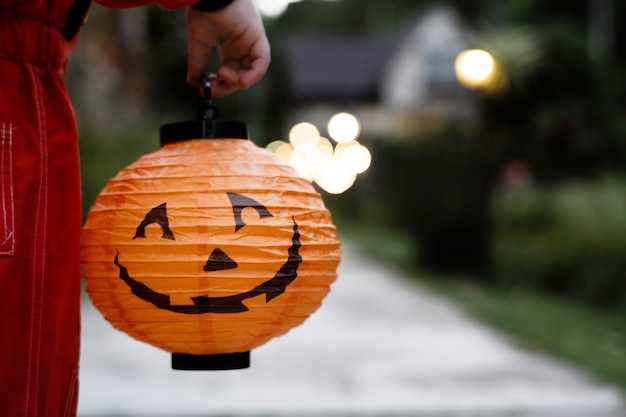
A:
[208,248]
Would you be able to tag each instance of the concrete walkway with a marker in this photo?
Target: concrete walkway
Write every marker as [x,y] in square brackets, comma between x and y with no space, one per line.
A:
[379,346]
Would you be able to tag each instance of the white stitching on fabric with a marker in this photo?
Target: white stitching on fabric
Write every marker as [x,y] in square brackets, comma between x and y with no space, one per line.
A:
[39,247]
[32,308]
[43,201]
[7,245]
[32,318]
[71,396]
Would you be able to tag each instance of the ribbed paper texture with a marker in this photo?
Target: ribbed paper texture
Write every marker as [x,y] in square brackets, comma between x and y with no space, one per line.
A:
[208,246]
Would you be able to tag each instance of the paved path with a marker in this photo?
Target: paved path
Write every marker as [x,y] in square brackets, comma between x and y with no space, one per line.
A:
[379,346]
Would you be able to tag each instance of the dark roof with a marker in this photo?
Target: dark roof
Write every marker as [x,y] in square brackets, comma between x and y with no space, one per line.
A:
[335,68]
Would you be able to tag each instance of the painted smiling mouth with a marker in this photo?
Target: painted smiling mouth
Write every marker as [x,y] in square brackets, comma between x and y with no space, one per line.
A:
[229,304]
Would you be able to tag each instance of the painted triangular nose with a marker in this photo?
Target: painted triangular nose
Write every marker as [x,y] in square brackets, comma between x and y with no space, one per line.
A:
[219,261]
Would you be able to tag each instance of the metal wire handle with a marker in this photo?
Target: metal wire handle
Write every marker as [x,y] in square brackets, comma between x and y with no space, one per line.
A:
[206,109]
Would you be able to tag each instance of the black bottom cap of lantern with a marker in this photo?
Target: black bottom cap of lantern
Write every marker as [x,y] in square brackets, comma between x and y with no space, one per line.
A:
[216,362]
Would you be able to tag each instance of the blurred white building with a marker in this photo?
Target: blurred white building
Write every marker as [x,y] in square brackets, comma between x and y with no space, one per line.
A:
[396,84]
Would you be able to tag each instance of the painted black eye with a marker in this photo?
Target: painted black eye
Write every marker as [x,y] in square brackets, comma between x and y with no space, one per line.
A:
[240,202]
[157,215]
[219,260]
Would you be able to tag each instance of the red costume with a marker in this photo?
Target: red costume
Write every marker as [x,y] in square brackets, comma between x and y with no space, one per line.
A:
[41,211]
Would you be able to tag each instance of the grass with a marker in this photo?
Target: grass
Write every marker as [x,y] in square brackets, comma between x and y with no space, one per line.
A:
[591,339]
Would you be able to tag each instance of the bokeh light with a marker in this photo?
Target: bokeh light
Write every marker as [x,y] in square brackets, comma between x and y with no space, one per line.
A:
[343,127]
[333,177]
[272,146]
[272,8]
[475,68]
[283,152]
[333,168]
[325,147]
[353,156]
[304,163]
[304,136]
[320,154]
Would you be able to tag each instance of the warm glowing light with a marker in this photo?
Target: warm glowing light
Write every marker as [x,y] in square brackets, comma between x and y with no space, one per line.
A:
[324,149]
[272,8]
[353,157]
[299,161]
[283,152]
[333,178]
[343,127]
[272,146]
[307,163]
[475,68]
[304,136]
[314,158]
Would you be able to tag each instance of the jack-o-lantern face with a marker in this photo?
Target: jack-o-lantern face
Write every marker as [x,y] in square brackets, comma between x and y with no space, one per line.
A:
[217,261]
[208,246]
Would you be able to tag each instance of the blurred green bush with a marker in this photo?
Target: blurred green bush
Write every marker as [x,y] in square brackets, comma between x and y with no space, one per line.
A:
[104,155]
[565,238]
[436,188]
[568,239]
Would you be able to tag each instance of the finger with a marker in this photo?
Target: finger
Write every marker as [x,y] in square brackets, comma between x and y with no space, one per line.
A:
[254,73]
[221,89]
[258,66]
[218,87]
[221,85]
[227,74]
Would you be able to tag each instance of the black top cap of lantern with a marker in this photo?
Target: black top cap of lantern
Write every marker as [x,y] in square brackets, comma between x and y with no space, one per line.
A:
[206,126]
